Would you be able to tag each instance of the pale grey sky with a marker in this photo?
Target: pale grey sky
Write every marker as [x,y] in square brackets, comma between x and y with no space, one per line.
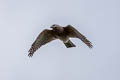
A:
[22,20]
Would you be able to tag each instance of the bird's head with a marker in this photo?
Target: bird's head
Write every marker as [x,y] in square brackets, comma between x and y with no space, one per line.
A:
[54,26]
[57,28]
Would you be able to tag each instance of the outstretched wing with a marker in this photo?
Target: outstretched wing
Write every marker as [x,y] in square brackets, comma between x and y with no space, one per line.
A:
[44,37]
[72,32]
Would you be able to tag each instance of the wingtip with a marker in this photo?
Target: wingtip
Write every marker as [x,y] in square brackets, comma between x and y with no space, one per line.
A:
[30,55]
[31,52]
[90,45]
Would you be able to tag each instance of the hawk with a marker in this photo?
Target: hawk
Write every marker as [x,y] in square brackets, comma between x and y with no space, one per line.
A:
[61,33]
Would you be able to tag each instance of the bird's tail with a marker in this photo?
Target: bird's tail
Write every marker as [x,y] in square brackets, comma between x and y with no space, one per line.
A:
[69,44]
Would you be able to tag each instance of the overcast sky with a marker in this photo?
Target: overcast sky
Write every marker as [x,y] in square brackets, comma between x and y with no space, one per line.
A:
[22,20]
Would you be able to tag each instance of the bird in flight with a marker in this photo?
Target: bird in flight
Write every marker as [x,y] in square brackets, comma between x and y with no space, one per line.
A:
[61,33]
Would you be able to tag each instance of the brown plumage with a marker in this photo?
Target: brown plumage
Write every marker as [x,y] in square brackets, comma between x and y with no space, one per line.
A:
[58,32]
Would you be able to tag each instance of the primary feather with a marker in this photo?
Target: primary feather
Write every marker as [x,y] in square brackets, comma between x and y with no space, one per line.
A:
[43,38]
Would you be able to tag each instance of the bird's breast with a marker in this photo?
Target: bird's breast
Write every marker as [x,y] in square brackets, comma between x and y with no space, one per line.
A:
[62,37]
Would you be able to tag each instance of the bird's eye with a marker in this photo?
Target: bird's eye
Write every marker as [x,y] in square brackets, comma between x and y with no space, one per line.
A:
[54,25]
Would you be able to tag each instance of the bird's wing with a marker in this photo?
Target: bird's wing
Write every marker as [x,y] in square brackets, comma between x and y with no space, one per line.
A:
[44,37]
[72,32]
